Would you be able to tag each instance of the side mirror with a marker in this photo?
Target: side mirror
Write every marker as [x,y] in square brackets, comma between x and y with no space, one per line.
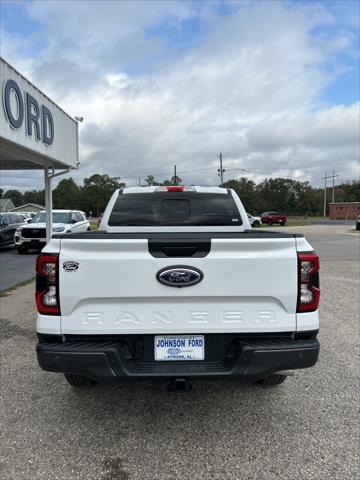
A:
[73,220]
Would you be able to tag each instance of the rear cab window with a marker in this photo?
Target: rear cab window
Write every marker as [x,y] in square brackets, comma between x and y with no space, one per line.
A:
[174,209]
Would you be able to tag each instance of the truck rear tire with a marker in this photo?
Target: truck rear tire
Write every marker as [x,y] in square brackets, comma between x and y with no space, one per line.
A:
[22,250]
[78,380]
[273,379]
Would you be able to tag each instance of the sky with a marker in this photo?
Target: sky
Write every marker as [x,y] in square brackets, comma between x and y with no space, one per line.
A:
[273,85]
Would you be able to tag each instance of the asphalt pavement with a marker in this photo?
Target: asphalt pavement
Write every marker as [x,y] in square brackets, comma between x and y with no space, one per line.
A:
[15,268]
[306,428]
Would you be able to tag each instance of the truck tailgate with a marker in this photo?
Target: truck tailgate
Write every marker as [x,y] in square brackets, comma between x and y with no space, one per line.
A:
[249,285]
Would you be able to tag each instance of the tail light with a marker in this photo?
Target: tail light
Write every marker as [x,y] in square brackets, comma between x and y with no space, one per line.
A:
[47,290]
[308,283]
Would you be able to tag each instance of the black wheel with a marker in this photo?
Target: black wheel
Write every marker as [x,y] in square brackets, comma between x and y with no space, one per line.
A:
[357,225]
[273,379]
[256,224]
[282,224]
[270,223]
[22,250]
[78,380]
[88,229]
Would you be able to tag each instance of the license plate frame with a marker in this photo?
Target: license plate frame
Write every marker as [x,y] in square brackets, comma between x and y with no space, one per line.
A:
[184,348]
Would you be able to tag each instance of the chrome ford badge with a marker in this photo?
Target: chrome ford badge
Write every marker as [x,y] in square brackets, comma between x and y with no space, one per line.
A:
[70,266]
[179,276]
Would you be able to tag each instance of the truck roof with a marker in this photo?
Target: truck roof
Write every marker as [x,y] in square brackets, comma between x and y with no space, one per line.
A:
[194,188]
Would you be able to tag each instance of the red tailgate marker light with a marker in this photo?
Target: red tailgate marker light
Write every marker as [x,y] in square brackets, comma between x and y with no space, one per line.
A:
[175,188]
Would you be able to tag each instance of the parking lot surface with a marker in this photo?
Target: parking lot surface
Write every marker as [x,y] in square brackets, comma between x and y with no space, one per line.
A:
[15,268]
[306,428]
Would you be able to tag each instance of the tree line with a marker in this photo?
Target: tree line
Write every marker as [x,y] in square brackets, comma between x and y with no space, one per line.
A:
[285,195]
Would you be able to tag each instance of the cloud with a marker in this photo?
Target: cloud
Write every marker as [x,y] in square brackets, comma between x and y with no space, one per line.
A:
[247,82]
[335,127]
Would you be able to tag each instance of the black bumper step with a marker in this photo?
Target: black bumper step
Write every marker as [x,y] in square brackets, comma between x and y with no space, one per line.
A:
[132,358]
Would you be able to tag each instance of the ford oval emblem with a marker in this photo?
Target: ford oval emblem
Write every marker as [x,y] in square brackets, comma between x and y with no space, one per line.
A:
[70,266]
[179,276]
[173,351]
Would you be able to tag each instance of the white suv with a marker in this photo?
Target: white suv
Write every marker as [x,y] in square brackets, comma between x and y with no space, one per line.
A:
[254,221]
[33,235]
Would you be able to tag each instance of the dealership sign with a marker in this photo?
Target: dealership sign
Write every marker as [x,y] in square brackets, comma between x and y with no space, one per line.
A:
[38,118]
[32,126]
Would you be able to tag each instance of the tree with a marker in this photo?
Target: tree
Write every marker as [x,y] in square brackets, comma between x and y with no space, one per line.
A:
[278,194]
[15,196]
[97,191]
[1,193]
[150,180]
[35,196]
[175,180]
[245,188]
[66,194]
[348,192]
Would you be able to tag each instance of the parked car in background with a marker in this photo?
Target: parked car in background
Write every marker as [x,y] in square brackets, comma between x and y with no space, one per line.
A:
[25,217]
[9,222]
[33,235]
[357,225]
[254,221]
[273,217]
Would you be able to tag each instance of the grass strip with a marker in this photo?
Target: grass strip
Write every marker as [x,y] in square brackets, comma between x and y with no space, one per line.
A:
[6,292]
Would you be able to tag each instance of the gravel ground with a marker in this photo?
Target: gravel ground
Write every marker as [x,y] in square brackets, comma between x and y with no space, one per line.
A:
[306,428]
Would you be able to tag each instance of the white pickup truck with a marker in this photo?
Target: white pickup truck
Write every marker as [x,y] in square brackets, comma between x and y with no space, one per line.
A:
[176,286]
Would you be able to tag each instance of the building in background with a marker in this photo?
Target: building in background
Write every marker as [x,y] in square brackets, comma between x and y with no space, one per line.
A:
[344,210]
[28,207]
[6,204]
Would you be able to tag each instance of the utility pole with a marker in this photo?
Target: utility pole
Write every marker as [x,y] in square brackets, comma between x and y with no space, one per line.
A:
[175,177]
[325,188]
[139,181]
[325,178]
[221,171]
[333,186]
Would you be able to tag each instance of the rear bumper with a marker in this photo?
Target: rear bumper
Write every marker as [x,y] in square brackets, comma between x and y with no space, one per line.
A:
[131,357]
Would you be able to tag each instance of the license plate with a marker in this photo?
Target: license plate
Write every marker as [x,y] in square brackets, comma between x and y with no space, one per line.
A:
[179,347]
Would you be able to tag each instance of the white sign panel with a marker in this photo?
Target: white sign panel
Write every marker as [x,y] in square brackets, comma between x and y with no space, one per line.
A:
[31,120]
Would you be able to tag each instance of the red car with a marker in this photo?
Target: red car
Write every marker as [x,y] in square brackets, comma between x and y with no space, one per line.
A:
[273,217]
